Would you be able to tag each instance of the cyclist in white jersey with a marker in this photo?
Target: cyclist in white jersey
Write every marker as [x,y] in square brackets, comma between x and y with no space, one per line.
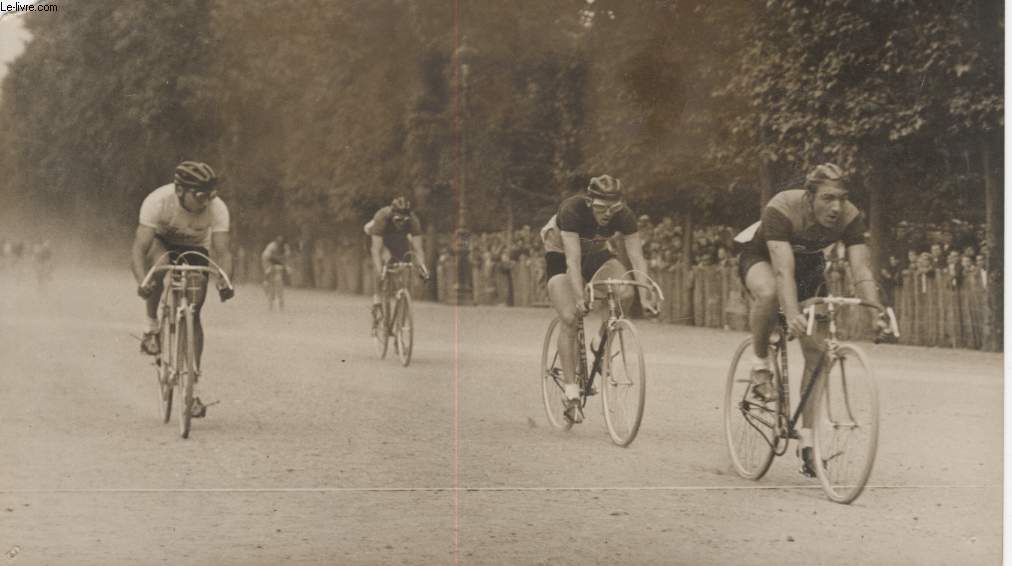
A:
[185,215]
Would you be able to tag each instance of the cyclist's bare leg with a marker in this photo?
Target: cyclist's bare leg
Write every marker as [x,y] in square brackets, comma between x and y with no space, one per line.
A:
[762,284]
[560,293]
[156,254]
[198,328]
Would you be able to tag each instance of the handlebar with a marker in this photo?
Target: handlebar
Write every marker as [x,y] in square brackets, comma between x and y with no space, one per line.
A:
[808,307]
[211,269]
[395,266]
[652,286]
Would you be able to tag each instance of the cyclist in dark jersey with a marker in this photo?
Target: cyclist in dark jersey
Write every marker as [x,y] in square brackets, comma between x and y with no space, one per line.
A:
[397,230]
[576,248]
[782,263]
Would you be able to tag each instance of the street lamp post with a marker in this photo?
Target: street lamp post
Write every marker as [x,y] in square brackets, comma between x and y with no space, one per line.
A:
[463,58]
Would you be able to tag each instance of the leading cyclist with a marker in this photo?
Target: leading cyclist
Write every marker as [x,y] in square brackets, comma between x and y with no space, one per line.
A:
[782,263]
[576,250]
[183,216]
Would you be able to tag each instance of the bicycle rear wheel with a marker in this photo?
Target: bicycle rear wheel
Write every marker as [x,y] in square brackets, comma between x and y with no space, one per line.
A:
[165,368]
[187,366]
[404,329]
[749,424]
[552,390]
[846,426]
[623,382]
[380,336]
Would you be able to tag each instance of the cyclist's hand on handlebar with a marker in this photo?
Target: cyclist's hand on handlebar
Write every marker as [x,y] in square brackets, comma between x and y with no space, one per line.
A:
[145,292]
[798,325]
[424,272]
[225,293]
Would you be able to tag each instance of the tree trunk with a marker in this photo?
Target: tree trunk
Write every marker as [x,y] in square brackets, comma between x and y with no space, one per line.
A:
[875,219]
[765,177]
[995,230]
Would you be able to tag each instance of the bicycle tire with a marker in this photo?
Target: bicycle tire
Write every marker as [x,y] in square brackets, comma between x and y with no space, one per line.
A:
[187,371]
[552,392]
[749,426]
[848,407]
[165,368]
[404,329]
[617,391]
[381,338]
[279,289]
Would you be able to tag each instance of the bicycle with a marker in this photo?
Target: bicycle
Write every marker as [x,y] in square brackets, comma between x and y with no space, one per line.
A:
[617,338]
[176,363]
[397,321]
[846,410]
[274,285]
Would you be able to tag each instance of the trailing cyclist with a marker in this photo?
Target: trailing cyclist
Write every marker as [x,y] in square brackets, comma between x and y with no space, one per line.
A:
[275,257]
[576,250]
[394,232]
[183,216]
[782,263]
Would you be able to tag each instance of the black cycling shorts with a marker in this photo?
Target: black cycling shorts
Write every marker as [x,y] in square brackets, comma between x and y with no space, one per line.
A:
[555,263]
[809,271]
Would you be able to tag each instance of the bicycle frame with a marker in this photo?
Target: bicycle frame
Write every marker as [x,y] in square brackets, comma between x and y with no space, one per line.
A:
[615,313]
[395,287]
[786,423]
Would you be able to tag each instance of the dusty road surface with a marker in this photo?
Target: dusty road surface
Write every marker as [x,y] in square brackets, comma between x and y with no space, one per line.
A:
[320,453]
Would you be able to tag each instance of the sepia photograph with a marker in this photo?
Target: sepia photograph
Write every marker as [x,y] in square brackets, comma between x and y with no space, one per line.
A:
[502,282]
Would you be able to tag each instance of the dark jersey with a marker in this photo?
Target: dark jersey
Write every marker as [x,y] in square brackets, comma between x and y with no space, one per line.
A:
[394,239]
[575,215]
[788,218]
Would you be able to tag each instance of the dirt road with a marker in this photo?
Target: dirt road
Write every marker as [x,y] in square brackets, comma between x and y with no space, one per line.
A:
[320,453]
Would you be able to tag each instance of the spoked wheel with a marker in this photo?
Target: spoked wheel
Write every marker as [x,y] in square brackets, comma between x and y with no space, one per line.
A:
[552,390]
[749,423]
[187,367]
[404,329]
[164,367]
[846,426]
[380,336]
[623,382]
[279,289]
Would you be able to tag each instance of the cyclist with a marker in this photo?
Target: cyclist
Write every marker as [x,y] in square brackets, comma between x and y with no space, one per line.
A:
[185,215]
[576,250]
[276,253]
[782,263]
[394,232]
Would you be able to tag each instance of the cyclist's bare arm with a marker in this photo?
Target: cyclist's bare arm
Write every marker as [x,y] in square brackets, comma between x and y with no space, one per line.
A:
[634,247]
[222,251]
[143,239]
[859,258]
[571,246]
[419,252]
[376,251]
[782,260]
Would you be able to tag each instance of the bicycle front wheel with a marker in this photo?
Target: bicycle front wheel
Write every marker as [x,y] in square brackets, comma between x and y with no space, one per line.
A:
[846,426]
[164,366]
[750,425]
[380,336]
[187,366]
[404,330]
[552,384]
[623,382]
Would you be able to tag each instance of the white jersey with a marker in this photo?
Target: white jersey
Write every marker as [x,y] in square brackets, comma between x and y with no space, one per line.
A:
[175,225]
